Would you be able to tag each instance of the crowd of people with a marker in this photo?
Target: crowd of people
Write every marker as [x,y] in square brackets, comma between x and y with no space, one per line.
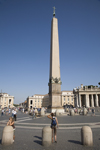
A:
[9,112]
[80,110]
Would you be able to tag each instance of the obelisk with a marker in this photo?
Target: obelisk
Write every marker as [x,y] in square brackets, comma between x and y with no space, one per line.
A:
[54,77]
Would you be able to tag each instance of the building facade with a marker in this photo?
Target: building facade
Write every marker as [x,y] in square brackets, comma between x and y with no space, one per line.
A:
[34,101]
[38,101]
[67,98]
[88,96]
[6,100]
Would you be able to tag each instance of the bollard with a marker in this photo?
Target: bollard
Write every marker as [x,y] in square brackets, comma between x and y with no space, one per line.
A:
[36,112]
[7,136]
[86,136]
[84,111]
[57,112]
[46,136]
[67,110]
[42,112]
[72,112]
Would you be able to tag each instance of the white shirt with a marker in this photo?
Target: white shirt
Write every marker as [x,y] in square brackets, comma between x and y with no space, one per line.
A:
[14,112]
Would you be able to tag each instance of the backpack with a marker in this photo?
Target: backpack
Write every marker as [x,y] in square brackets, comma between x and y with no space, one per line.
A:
[53,122]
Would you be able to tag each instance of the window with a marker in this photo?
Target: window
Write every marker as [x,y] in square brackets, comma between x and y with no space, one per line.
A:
[31,102]
[68,99]
[9,101]
[72,99]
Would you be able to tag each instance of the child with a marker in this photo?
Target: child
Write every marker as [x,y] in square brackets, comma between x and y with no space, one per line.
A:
[11,123]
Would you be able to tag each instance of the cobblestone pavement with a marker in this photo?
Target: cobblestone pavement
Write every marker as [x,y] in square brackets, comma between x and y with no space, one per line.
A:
[31,139]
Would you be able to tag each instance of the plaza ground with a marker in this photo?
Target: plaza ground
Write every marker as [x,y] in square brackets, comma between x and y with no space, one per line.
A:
[29,132]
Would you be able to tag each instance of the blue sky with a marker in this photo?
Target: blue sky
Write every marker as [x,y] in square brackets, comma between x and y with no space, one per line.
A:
[25,28]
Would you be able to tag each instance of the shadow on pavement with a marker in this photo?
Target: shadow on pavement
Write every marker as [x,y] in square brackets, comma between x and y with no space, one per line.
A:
[38,142]
[38,137]
[76,142]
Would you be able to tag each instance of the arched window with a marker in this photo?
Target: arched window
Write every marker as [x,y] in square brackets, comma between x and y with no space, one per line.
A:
[9,101]
[31,102]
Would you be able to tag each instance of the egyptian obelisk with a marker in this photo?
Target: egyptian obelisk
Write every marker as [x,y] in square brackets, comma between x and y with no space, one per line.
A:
[54,77]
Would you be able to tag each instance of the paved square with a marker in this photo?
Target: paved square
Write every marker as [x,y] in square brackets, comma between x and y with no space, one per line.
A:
[28,135]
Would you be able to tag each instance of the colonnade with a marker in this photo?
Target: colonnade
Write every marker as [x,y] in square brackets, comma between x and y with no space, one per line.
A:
[88,100]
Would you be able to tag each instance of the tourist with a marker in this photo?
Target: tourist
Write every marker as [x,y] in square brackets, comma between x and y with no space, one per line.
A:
[54,125]
[93,111]
[33,115]
[15,114]
[12,113]
[39,111]
[11,123]
[9,111]
[23,110]
[2,112]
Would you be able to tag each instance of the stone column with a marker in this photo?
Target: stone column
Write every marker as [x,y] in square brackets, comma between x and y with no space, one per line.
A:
[61,100]
[92,102]
[96,96]
[87,100]
[88,104]
[98,100]
[79,100]
[76,101]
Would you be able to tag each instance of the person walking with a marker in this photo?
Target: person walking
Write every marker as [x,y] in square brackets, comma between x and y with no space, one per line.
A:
[54,126]
[34,115]
[15,114]
[11,123]
[12,113]
[93,111]
[9,111]
[2,112]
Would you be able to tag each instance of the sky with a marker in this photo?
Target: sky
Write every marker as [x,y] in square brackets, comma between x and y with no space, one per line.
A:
[25,30]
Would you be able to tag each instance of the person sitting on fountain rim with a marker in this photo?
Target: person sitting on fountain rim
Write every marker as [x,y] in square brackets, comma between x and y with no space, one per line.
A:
[54,125]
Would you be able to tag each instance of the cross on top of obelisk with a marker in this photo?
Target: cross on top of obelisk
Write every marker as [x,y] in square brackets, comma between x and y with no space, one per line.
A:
[54,11]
